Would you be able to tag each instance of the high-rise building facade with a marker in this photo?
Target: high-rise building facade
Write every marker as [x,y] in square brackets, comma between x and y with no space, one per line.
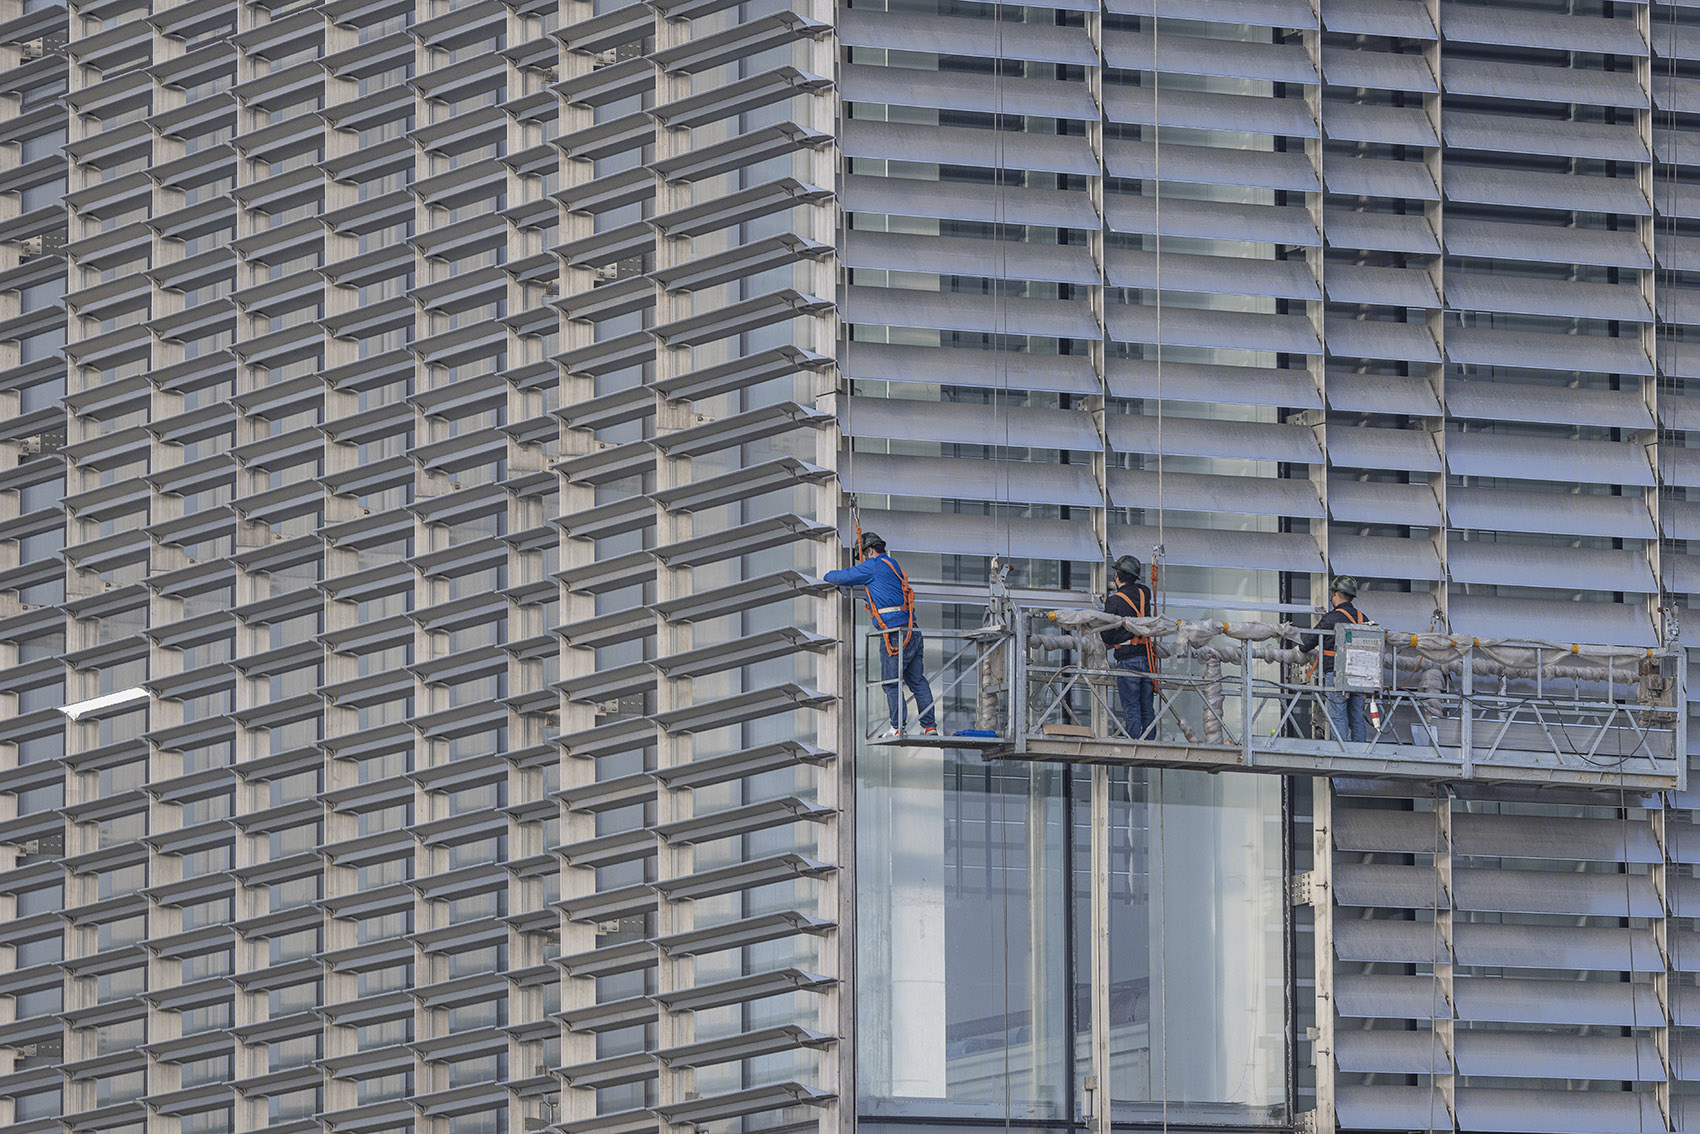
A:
[444,411]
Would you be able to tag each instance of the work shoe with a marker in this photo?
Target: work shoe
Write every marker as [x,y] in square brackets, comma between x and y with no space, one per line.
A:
[891,733]
[930,730]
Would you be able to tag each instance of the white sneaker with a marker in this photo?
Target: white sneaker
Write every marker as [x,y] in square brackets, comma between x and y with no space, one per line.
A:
[891,733]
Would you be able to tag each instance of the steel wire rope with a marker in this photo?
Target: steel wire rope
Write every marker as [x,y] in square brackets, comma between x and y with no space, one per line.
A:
[1003,495]
[1000,498]
[1162,936]
[1158,553]
[1003,945]
[1672,961]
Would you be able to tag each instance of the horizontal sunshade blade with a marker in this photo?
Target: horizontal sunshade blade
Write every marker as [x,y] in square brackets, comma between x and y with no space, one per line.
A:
[1192,327]
[987,369]
[1544,190]
[1258,13]
[1520,565]
[1500,509]
[1517,401]
[1378,70]
[1500,133]
[1372,338]
[1470,23]
[1247,114]
[948,35]
[1226,275]
[1187,55]
[1539,351]
[899,307]
[1407,19]
[1392,287]
[1395,126]
[1200,382]
[899,196]
[1365,447]
[1368,177]
[1373,502]
[974,479]
[955,145]
[1198,547]
[1392,232]
[948,534]
[1543,458]
[901,86]
[1382,557]
[964,424]
[1619,624]
[1503,80]
[1526,296]
[1210,165]
[1211,220]
[992,259]
[1185,436]
[1382,393]
[1197,492]
[1546,243]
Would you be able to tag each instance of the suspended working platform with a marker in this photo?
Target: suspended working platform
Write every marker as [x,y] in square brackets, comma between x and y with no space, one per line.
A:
[1246,697]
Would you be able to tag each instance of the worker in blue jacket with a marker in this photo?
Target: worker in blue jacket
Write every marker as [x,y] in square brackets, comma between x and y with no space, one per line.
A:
[891,608]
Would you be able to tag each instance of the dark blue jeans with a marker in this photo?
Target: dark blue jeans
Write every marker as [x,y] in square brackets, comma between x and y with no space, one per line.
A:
[1139,711]
[1348,713]
[906,665]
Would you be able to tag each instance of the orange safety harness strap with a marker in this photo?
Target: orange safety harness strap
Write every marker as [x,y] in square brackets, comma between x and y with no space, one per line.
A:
[1358,619]
[1138,609]
[893,646]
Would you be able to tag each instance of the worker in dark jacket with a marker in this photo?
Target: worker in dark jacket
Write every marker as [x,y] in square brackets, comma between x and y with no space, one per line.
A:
[1132,599]
[891,608]
[1347,711]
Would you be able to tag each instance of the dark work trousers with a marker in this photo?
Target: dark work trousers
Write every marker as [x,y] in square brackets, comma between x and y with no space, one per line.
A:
[906,664]
[1139,711]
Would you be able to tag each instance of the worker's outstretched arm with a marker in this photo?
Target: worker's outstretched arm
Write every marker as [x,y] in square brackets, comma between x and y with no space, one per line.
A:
[857,576]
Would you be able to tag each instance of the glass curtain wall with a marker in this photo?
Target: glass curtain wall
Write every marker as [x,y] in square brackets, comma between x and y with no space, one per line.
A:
[974,921]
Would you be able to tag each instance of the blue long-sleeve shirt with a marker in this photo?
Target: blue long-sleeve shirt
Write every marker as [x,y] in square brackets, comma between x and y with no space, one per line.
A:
[880,578]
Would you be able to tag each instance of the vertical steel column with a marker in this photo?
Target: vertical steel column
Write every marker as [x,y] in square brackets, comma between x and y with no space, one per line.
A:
[1100,929]
[1320,894]
[1445,1026]
[1665,979]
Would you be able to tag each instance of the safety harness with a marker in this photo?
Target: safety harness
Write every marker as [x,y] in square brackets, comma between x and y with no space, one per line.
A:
[1358,619]
[1138,608]
[893,645]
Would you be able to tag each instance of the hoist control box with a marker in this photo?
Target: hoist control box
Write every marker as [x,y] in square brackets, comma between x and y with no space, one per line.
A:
[1357,657]
[1655,686]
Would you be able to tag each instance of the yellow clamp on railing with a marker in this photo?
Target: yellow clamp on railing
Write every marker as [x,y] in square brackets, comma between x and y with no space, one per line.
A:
[1413,641]
[1574,648]
[1051,614]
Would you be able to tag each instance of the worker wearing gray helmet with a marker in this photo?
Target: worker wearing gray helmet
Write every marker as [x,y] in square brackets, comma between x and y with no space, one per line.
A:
[891,608]
[1132,652]
[1347,711]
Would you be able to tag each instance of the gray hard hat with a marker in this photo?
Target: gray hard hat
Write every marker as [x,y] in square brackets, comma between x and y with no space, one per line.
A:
[1127,566]
[872,540]
[1346,585]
